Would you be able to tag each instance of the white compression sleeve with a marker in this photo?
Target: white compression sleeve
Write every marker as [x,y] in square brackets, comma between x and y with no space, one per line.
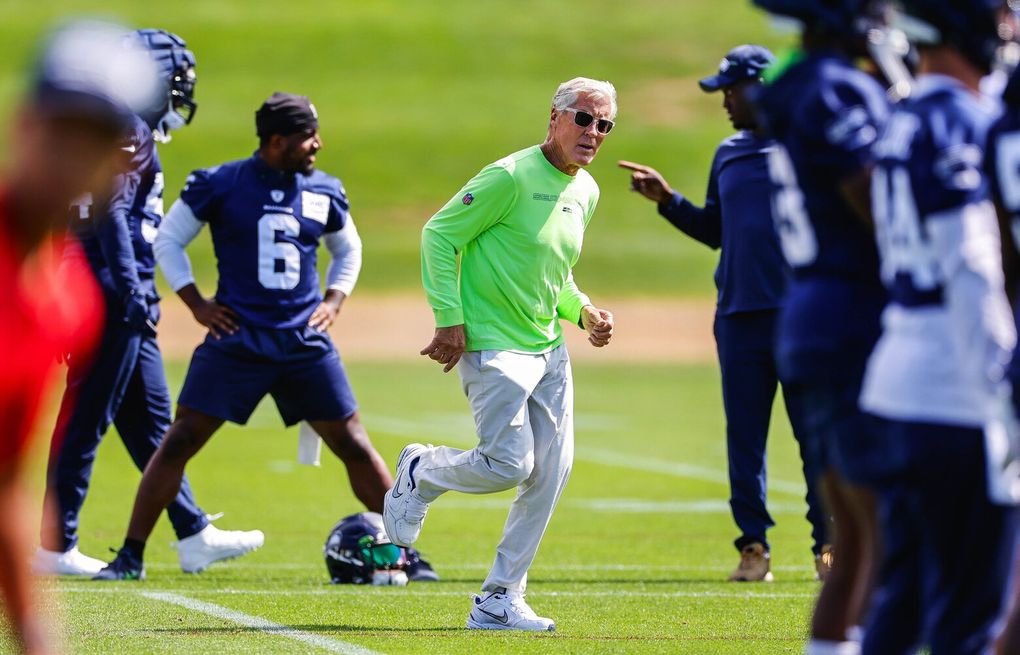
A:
[178,229]
[345,247]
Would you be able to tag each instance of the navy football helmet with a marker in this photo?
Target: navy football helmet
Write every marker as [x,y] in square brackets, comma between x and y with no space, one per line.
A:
[359,552]
[973,27]
[177,64]
[829,15]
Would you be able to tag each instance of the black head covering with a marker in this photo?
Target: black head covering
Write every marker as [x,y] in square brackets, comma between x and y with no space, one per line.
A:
[284,114]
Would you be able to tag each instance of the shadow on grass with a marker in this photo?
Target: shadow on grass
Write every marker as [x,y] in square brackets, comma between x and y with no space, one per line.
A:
[678,582]
[365,630]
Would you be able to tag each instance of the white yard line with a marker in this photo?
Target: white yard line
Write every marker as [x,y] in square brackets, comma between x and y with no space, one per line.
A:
[621,505]
[318,641]
[484,566]
[454,432]
[353,590]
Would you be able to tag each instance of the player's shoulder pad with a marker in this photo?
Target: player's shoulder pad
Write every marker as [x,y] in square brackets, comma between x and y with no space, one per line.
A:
[732,140]
[219,176]
[841,84]
[202,178]
[324,183]
[957,124]
[851,106]
[137,143]
[953,115]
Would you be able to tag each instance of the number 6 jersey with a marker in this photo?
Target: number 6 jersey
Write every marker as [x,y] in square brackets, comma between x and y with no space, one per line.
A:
[266,225]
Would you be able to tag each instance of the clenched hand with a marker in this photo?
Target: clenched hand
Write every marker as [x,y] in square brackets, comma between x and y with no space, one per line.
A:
[598,323]
[447,346]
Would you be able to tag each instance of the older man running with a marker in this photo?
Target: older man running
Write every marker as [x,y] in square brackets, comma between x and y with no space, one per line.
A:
[518,227]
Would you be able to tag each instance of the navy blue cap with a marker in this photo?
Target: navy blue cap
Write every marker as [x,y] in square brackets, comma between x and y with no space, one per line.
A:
[745,62]
[91,69]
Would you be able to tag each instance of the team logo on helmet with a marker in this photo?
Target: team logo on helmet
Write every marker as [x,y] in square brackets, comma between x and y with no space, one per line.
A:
[467,199]
[358,551]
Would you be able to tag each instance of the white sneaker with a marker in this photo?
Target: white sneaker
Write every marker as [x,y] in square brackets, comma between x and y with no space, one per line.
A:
[504,611]
[73,562]
[210,545]
[403,511]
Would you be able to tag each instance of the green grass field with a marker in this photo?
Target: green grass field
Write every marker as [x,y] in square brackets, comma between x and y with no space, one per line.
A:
[415,97]
[633,562]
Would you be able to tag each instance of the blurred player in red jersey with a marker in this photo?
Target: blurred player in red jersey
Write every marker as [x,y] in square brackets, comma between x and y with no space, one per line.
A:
[87,85]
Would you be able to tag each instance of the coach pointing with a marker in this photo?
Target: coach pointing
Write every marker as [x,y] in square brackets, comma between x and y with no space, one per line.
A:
[517,226]
[751,278]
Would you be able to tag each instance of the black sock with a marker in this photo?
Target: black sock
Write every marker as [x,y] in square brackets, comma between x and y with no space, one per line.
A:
[134,548]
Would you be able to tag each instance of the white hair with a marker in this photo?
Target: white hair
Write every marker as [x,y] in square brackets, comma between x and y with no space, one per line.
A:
[569,91]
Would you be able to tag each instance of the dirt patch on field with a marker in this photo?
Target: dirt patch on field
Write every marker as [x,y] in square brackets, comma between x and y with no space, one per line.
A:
[397,327]
[668,101]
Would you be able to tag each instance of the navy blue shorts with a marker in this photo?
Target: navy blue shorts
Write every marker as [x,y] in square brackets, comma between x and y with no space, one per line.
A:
[948,550]
[298,367]
[842,437]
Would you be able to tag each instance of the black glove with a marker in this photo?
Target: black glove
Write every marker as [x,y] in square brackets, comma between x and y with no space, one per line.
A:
[136,314]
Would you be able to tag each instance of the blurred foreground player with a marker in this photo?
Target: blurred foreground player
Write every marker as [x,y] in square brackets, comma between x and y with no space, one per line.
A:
[826,115]
[125,383]
[65,144]
[268,320]
[937,372]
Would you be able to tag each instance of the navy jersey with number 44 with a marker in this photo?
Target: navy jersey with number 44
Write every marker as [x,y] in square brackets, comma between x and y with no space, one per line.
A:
[266,226]
[825,116]
[947,322]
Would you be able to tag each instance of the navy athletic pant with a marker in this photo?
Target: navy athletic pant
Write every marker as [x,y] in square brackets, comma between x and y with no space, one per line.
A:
[746,346]
[947,557]
[125,385]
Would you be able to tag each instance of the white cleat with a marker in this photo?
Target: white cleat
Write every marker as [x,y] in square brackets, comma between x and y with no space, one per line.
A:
[403,511]
[504,611]
[211,545]
[73,562]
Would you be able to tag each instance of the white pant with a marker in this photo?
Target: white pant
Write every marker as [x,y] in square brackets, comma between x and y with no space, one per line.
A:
[524,414]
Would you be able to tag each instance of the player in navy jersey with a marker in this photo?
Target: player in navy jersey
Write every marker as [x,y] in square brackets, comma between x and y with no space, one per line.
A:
[124,384]
[825,115]
[1002,166]
[751,278]
[268,320]
[935,379]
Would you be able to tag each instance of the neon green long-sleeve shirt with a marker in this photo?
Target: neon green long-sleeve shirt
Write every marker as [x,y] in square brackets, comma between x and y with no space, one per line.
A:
[518,227]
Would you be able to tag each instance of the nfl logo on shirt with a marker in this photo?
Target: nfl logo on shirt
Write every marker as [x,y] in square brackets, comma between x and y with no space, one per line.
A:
[276,195]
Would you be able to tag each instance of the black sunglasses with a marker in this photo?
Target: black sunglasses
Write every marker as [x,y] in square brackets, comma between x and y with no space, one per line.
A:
[584,119]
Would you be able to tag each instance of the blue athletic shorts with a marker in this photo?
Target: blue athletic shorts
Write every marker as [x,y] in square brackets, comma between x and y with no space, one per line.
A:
[841,436]
[298,367]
